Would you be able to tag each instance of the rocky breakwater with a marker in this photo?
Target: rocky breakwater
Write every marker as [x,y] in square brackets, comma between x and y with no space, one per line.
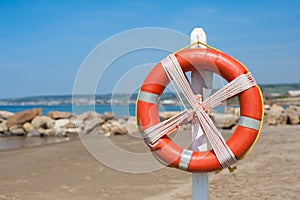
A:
[32,123]
[278,115]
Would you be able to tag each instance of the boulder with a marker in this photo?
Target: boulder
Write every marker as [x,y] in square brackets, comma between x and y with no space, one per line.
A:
[46,132]
[89,115]
[3,127]
[131,127]
[17,130]
[232,111]
[60,132]
[51,124]
[33,133]
[276,115]
[293,115]
[108,116]
[60,123]
[24,116]
[28,127]
[41,121]
[5,114]
[69,125]
[106,127]
[225,121]
[90,125]
[117,130]
[73,130]
[59,115]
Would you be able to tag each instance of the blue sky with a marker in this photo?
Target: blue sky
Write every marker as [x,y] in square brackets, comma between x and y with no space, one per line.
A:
[43,43]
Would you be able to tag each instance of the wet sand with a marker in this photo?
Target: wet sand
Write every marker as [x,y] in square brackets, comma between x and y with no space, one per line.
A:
[67,171]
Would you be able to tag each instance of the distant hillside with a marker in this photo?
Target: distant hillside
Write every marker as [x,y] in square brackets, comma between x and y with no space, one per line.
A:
[268,89]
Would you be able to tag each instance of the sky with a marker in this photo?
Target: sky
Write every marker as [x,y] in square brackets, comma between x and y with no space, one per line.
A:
[44,43]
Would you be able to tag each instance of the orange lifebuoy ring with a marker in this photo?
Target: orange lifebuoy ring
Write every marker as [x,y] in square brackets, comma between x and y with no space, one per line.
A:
[251,110]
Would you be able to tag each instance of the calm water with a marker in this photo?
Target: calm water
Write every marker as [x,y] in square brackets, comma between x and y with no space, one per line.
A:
[119,110]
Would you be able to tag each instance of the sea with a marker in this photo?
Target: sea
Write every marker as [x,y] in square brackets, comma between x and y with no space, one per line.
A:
[119,110]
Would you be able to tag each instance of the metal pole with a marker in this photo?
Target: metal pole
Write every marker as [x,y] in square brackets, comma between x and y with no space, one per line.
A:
[198,78]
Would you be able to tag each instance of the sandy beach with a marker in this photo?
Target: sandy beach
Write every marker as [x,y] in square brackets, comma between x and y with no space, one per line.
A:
[67,171]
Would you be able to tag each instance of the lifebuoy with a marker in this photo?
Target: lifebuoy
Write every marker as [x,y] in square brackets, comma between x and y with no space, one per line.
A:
[251,110]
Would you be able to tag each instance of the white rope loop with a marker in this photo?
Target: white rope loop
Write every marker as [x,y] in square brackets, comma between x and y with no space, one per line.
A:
[238,85]
[154,133]
[175,73]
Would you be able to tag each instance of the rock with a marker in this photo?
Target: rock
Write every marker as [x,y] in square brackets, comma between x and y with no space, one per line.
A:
[167,115]
[73,130]
[226,121]
[17,130]
[96,132]
[51,124]
[117,130]
[61,132]
[28,127]
[60,123]
[3,127]
[59,115]
[5,114]
[41,121]
[108,116]
[131,127]
[69,125]
[33,133]
[276,115]
[24,116]
[293,116]
[89,115]
[232,111]
[46,132]
[106,127]
[107,134]
[90,125]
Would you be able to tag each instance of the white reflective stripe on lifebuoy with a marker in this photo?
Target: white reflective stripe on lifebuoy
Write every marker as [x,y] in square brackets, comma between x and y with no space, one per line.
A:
[249,122]
[148,97]
[185,159]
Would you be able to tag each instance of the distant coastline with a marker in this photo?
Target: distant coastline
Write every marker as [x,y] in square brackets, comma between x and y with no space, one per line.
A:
[277,93]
